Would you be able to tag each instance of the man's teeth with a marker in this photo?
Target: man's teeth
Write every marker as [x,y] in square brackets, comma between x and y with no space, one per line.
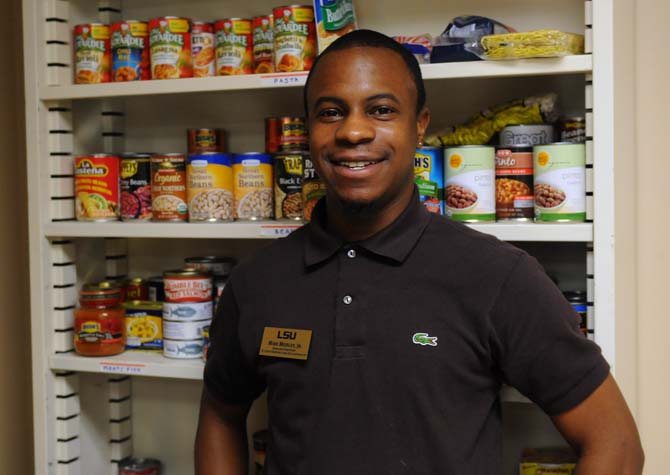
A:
[355,165]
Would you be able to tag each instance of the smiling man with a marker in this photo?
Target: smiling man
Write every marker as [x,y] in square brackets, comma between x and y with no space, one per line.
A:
[383,333]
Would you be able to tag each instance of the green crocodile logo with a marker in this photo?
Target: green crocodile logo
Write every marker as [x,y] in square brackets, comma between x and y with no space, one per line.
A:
[424,340]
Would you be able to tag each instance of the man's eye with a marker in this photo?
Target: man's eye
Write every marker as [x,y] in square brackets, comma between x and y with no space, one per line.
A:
[382,111]
[329,113]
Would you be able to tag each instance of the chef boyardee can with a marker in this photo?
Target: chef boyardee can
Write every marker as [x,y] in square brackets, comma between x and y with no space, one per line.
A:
[560,182]
[514,183]
[288,185]
[429,178]
[470,176]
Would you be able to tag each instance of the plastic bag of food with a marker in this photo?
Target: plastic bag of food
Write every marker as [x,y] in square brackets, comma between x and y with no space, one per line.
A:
[483,126]
[420,46]
[528,44]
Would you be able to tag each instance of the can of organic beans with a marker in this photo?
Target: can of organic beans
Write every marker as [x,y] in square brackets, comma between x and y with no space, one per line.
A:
[514,183]
[288,185]
[209,179]
[168,187]
[252,185]
[429,177]
[560,182]
[469,174]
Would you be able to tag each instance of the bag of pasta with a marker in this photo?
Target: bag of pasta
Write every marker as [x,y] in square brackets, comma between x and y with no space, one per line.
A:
[528,44]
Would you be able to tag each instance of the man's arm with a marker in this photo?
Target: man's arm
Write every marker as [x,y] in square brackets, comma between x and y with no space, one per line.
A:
[602,431]
[221,440]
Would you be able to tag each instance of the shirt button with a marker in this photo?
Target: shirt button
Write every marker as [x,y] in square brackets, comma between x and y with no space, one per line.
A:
[351,253]
[347,299]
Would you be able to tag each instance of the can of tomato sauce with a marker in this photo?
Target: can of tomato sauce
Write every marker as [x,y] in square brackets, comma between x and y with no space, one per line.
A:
[92,56]
[234,48]
[206,140]
[168,187]
[294,38]
[96,187]
[130,51]
[202,45]
[263,41]
[170,43]
[292,134]
[514,183]
[136,187]
[99,321]
[288,185]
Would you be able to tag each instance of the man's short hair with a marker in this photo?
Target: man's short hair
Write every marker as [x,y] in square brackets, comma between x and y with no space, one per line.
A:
[374,39]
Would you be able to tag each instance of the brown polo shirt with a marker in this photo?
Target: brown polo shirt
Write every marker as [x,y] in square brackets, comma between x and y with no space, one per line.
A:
[413,332]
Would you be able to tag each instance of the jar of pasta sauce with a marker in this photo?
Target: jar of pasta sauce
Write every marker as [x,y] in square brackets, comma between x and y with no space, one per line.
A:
[99,321]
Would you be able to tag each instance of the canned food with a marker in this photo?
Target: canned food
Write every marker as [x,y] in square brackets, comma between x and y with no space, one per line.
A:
[260,443]
[263,41]
[168,187]
[156,288]
[185,330]
[202,46]
[560,182]
[217,266]
[334,19]
[429,177]
[294,38]
[136,187]
[288,185]
[313,188]
[144,325]
[206,140]
[210,187]
[96,187]
[170,43]
[470,179]
[572,129]
[92,56]
[252,185]
[536,134]
[293,134]
[219,285]
[99,321]
[272,134]
[130,51]
[514,183]
[234,50]
[139,466]
[187,311]
[205,342]
[187,285]
[577,299]
[137,289]
[183,349]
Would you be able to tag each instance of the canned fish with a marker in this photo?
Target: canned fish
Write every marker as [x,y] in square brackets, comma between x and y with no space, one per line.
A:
[234,49]
[185,330]
[572,129]
[156,288]
[137,289]
[292,134]
[470,176]
[313,188]
[168,187]
[170,43]
[202,46]
[263,41]
[294,38]
[139,466]
[272,134]
[144,325]
[429,177]
[136,187]
[187,311]
[514,183]
[217,266]
[210,187]
[560,188]
[96,187]
[206,140]
[187,286]
[252,184]
[537,134]
[92,56]
[288,185]
[183,349]
[130,51]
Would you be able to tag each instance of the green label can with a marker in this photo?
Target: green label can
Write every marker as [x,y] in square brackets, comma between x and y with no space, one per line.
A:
[560,182]
[469,175]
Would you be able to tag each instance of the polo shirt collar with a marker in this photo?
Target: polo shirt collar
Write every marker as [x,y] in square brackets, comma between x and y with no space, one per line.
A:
[395,241]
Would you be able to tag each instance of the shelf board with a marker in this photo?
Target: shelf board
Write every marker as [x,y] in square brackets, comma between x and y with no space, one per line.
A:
[474,69]
[574,232]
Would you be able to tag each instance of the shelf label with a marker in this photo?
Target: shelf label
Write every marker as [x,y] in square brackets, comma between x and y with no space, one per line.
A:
[278,231]
[289,79]
[121,368]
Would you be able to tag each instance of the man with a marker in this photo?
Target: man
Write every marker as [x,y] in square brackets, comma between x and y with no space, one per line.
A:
[383,332]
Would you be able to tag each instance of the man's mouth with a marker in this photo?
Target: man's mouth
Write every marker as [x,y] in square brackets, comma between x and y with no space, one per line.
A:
[356,165]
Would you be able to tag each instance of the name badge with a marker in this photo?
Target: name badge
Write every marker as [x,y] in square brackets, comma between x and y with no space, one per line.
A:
[285,343]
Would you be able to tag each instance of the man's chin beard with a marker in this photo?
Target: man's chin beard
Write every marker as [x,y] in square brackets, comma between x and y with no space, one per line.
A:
[358,207]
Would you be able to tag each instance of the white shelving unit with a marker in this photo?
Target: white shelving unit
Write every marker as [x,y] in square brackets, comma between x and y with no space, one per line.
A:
[87,414]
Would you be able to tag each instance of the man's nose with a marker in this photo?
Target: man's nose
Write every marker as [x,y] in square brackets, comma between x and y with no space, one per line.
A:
[356,128]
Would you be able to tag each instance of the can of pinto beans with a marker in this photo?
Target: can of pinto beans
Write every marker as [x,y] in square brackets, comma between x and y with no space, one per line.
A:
[469,174]
[514,183]
[252,185]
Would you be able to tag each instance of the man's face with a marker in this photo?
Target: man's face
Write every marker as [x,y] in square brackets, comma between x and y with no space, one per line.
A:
[363,126]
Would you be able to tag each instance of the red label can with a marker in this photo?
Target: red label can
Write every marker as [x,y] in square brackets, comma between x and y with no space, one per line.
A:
[272,134]
[130,51]
[187,286]
[292,134]
[96,187]
[92,57]
[263,40]
[170,43]
[135,187]
[234,49]
[202,46]
[206,140]
[137,289]
[294,38]
[168,187]
[514,183]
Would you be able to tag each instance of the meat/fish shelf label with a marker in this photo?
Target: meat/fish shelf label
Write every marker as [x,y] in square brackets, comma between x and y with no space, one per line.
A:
[114,367]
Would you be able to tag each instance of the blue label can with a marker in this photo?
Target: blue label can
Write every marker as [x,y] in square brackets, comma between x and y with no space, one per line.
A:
[429,177]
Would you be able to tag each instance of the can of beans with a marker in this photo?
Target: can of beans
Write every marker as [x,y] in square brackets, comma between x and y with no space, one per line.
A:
[288,185]
[136,187]
[470,179]
[206,140]
[96,187]
[92,56]
[429,177]
[514,183]
[168,187]
[252,184]
[560,182]
[144,325]
[263,41]
[137,289]
[293,134]
[156,288]
[294,38]
[170,44]
[202,49]
[130,51]
[313,188]
[272,134]
[533,134]
[572,129]
[234,49]
[139,466]
[210,187]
